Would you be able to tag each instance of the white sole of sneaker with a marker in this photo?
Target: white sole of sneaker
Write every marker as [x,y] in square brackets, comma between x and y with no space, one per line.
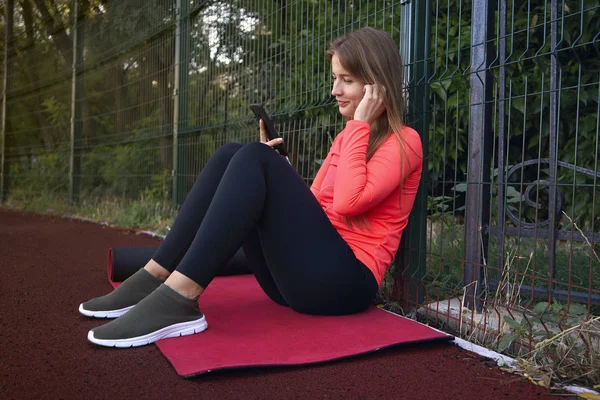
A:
[171,331]
[104,314]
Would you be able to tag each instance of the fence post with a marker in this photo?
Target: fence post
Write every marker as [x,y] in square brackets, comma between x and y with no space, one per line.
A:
[180,101]
[501,147]
[76,106]
[414,243]
[8,45]
[479,150]
[553,150]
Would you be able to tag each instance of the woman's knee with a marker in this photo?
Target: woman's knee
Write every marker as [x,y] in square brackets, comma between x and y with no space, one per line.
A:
[255,150]
[227,151]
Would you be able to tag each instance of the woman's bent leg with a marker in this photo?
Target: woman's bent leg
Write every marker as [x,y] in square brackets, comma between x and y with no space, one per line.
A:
[312,266]
[147,279]
[255,260]
[193,210]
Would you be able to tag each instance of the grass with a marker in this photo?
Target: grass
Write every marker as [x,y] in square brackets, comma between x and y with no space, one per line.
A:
[143,213]
[576,263]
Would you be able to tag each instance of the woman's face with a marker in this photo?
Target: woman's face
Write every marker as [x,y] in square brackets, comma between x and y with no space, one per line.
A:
[348,90]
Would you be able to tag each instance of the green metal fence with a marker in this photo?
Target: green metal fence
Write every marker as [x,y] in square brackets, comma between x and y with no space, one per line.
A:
[127,100]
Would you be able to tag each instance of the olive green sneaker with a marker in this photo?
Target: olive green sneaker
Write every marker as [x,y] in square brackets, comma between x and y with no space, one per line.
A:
[123,298]
[162,314]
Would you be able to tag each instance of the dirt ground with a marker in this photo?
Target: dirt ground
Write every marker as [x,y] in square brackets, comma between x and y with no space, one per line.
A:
[51,265]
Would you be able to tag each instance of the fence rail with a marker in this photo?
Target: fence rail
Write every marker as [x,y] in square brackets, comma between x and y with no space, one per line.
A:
[128,99]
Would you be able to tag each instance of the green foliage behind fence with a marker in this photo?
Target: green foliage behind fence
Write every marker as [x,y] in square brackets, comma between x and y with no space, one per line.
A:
[129,72]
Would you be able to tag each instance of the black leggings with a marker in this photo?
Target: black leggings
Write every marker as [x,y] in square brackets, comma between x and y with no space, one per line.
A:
[249,196]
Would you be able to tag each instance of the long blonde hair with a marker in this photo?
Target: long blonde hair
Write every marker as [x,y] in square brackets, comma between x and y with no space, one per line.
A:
[372,57]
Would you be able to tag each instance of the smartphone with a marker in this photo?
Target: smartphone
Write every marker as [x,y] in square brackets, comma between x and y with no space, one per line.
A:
[260,113]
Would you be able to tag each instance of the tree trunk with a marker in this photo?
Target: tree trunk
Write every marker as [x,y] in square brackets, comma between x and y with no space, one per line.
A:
[166,124]
[7,148]
[55,28]
[28,20]
[31,73]
[166,104]
[120,94]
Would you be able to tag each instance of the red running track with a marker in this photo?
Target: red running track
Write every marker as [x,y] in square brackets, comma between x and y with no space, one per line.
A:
[50,265]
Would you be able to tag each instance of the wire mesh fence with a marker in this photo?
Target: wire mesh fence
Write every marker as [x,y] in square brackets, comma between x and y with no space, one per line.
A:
[114,101]
[514,170]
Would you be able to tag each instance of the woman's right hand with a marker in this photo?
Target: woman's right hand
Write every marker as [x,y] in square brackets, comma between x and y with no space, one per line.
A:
[265,139]
[372,104]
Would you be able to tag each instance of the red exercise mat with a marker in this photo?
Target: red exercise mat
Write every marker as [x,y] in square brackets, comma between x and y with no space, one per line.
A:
[247,329]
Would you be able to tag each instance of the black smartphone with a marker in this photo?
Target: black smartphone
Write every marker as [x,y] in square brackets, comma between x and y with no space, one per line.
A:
[260,113]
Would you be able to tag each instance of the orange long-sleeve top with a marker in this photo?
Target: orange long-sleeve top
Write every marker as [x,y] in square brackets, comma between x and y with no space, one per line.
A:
[348,185]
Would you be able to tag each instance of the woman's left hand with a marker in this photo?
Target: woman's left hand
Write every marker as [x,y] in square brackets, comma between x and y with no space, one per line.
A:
[264,138]
[372,105]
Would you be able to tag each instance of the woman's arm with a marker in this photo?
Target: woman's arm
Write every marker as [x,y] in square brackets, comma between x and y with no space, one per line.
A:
[360,186]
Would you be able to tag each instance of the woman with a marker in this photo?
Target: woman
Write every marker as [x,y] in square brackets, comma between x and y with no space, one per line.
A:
[318,251]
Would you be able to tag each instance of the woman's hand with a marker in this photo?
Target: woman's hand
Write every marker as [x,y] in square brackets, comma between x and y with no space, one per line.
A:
[265,139]
[372,105]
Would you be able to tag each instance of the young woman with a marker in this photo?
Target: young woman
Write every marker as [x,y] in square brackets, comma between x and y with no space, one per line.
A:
[322,250]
